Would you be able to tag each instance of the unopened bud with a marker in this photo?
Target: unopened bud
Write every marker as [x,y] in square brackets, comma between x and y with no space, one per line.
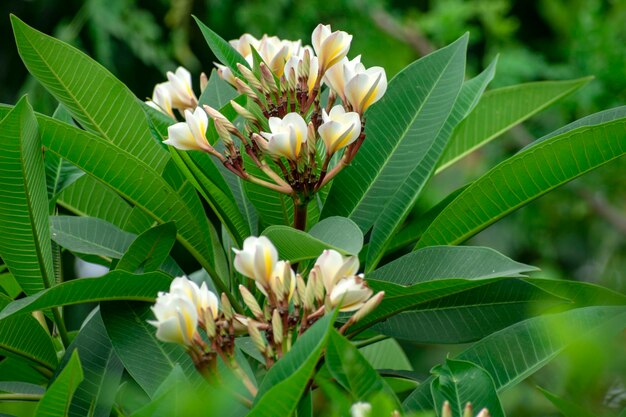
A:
[300,287]
[484,413]
[256,337]
[311,140]
[243,88]
[277,327]
[309,297]
[296,300]
[319,288]
[204,81]
[209,324]
[278,288]
[250,301]
[267,312]
[250,77]
[227,309]
[268,78]
[446,411]
[243,112]
[240,324]
[369,306]
[468,411]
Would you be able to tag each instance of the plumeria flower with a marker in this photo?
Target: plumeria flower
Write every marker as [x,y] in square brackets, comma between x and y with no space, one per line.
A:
[330,46]
[176,318]
[161,99]
[331,266]
[244,44]
[226,74]
[257,260]
[274,53]
[364,87]
[286,137]
[360,409]
[340,128]
[337,75]
[350,293]
[180,88]
[201,297]
[190,134]
[296,69]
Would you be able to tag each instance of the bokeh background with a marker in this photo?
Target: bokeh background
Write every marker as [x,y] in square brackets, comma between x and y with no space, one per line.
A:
[576,232]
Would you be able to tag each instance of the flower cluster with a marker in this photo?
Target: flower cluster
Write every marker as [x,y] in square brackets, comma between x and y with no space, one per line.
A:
[284,118]
[285,306]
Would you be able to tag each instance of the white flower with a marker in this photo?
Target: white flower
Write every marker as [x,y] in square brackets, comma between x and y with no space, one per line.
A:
[331,266]
[330,46]
[360,409]
[244,44]
[365,87]
[226,74]
[161,99]
[257,260]
[274,53]
[283,275]
[286,137]
[295,69]
[350,293]
[201,297]
[180,89]
[340,128]
[337,75]
[191,134]
[176,318]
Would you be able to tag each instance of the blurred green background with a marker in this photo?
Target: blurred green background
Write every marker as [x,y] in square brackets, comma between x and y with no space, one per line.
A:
[576,232]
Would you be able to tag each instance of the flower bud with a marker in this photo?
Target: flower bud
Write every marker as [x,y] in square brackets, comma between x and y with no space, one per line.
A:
[329,46]
[350,293]
[340,128]
[252,80]
[176,319]
[250,301]
[331,266]
[309,295]
[365,88]
[446,411]
[204,81]
[243,112]
[227,309]
[243,88]
[484,413]
[360,409]
[283,280]
[468,411]
[268,79]
[180,88]
[210,326]
[286,137]
[368,307]
[257,260]
[300,287]
[277,327]
[256,337]
[226,74]
[240,324]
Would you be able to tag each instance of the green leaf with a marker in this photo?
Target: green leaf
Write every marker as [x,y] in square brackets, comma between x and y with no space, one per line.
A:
[400,129]
[96,99]
[56,401]
[149,250]
[501,109]
[295,245]
[59,172]
[461,382]
[526,347]
[399,205]
[286,381]
[218,93]
[524,177]
[455,314]
[13,369]
[348,366]
[222,50]
[25,245]
[116,285]
[440,262]
[566,407]
[102,370]
[134,341]
[90,236]
[386,354]
[36,348]
[9,285]
[18,387]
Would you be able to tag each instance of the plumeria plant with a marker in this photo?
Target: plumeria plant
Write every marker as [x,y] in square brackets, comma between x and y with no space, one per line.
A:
[265,248]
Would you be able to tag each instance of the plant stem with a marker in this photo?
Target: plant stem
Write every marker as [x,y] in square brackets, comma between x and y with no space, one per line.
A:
[58,319]
[299,215]
[20,397]
[370,341]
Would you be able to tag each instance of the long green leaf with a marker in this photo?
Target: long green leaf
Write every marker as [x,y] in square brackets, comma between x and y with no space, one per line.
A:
[25,338]
[222,50]
[148,360]
[461,382]
[102,370]
[116,285]
[149,250]
[97,100]
[400,129]
[501,109]
[285,383]
[348,366]
[56,401]
[25,244]
[524,177]
[399,205]
[336,233]
[440,262]
[526,347]
[566,407]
